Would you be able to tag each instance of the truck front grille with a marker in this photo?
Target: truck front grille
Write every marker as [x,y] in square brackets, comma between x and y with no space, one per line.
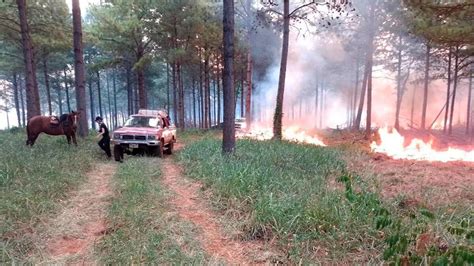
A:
[140,137]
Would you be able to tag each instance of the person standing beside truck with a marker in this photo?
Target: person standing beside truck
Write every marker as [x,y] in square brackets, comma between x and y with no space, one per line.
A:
[104,142]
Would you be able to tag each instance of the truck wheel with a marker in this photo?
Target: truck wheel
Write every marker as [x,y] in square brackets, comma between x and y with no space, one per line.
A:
[169,150]
[159,151]
[118,153]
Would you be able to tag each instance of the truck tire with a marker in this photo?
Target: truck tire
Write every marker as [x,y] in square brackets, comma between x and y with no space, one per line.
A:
[159,150]
[169,150]
[118,153]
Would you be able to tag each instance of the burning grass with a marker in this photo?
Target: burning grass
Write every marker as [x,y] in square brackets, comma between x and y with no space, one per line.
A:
[142,231]
[434,183]
[393,144]
[33,181]
[287,192]
[291,133]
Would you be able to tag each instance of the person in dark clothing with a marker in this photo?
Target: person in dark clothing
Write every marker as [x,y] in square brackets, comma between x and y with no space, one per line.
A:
[104,143]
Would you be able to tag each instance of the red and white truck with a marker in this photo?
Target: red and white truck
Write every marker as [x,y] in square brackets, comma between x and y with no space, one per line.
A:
[148,132]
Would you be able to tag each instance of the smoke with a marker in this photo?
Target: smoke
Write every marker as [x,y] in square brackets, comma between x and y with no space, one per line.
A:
[309,60]
[322,62]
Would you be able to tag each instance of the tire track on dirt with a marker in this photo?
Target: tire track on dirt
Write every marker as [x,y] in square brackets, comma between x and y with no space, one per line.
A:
[191,207]
[69,238]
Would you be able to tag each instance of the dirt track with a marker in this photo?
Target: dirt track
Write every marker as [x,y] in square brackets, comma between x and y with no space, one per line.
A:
[69,238]
[189,206]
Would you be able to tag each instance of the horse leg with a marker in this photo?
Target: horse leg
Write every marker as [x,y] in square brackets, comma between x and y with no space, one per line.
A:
[28,136]
[31,139]
[68,139]
[74,138]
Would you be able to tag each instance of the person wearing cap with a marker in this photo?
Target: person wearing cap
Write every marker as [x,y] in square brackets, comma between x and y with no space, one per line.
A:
[104,143]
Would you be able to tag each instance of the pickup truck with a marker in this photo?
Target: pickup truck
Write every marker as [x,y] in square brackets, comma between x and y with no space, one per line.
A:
[149,131]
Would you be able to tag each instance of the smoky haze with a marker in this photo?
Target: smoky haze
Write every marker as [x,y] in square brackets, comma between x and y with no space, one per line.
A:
[325,60]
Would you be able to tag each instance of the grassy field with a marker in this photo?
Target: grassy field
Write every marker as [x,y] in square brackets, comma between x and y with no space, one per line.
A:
[32,183]
[304,197]
[143,230]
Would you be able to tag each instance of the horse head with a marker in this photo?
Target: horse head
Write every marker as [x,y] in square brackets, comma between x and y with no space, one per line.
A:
[73,118]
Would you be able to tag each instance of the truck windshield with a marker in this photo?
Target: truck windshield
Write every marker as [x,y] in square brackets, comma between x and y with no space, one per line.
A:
[140,121]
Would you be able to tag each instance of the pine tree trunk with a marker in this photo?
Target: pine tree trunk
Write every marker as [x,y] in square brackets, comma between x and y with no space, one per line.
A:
[175,98]
[60,98]
[181,113]
[208,86]
[136,96]
[142,99]
[168,87]
[242,92]
[300,113]
[425,87]
[16,98]
[228,143]
[412,112]
[362,93]
[99,93]
[349,107]
[194,103]
[201,94]
[356,92]
[248,95]
[91,101]
[207,110]
[46,83]
[278,116]
[455,85]
[469,101]
[8,119]
[399,83]
[368,127]
[219,104]
[370,61]
[109,103]
[448,93]
[79,69]
[316,103]
[214,101]
[367,77]
[32,95]
[22,100]
[129,92]
[321,106]
[115,99]
[66,87]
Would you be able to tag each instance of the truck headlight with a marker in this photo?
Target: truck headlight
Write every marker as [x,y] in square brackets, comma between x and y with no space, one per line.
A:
[151,137]
[116,136]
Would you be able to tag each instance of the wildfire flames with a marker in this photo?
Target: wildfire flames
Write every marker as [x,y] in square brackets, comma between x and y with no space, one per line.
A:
[292,133]
[392,144]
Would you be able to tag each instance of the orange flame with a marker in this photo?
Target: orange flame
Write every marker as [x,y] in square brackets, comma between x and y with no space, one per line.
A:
[292,133]
[392,144]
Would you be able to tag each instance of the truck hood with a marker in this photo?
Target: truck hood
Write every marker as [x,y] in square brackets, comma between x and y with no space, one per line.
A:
[137,131]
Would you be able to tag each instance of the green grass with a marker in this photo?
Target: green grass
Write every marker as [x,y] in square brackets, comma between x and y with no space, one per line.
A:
[192,135]
[303,196]
[32,183]
[143,230]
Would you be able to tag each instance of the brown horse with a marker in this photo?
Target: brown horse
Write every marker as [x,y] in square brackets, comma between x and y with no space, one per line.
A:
[66,125]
